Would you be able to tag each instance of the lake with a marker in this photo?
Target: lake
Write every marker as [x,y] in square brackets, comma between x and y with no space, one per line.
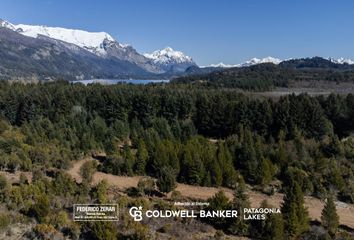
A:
[116,81]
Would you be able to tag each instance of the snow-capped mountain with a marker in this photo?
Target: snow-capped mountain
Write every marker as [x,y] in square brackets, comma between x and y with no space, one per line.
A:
[253,61]
[105,46]
[7,24]
[170,59]
[222,65]
[102,44]
[342,61]
[168,55]
[90,41]
[56,52]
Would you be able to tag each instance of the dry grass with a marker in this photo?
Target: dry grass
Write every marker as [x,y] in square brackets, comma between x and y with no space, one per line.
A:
[314,205]
[15,177]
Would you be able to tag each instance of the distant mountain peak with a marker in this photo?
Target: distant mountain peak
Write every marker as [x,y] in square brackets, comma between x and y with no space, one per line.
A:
[222,65]
[276,61]
[6,24]
[252,61]
[342,61]
[171,60]
[168,55]
[268,59]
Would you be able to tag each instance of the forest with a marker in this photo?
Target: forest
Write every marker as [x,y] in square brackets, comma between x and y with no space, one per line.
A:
[200,136]
[266,76]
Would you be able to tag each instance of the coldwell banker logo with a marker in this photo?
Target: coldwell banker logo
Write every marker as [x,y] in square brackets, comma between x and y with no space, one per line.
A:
[137,213]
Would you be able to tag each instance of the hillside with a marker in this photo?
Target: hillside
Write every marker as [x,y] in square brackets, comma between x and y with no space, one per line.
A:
[36,52]
[315,206]
[44,59]
[192,140]
[266,76]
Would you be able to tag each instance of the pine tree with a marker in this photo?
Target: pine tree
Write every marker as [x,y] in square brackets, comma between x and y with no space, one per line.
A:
[110,143]
[100,192]
[41,207]
[172,149]
[163,128]
[176,130]
[248,156]
[281,155]
[64,184]
[146,185]
[188,129]
[135,130]
[273,226]
[103,230]
[3,182]
[314,121]
[141,158]
[329,217]
[265,172]
[334,147]
[87,171]
[219,202]
[282,114]
[120,129]
[159,158]
[226,166]
[192,167]
[99,129]
[215,173]
[294,213]
[240,201]
[166,181]
[128,160]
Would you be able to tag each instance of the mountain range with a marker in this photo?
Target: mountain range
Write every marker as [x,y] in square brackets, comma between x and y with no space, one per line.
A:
[30,52]
[313,71]
[41,52]
[276,61]
[253,61]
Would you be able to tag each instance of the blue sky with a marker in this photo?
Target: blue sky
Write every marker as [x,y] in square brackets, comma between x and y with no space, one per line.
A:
[210,31]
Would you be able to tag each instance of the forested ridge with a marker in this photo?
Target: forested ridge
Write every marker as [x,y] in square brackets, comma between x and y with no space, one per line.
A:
[266,76]
[199,136]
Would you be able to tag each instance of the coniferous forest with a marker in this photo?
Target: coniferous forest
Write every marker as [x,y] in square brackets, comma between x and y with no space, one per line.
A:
[297,145]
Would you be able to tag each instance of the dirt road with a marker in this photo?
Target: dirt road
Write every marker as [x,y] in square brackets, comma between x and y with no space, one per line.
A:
[314,205]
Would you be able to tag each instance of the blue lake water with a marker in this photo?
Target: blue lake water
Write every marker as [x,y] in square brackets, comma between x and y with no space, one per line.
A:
[116,81]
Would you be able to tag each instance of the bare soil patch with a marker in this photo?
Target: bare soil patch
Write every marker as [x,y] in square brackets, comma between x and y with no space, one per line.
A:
[314,205]
[15,177]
